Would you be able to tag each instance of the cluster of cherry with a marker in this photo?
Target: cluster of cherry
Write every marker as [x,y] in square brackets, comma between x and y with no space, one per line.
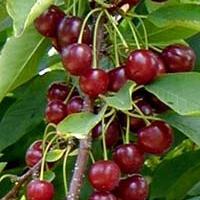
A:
[142,66]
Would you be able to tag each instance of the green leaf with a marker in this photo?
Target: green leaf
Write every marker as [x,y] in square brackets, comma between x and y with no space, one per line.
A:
[174,178]
[28,111]
[180,91]
[122,100]
[19,60]
[79,124]
[24,12]
[49,175]
[195,191]
[188,125]
[2,166]
[54,155]
[185,15]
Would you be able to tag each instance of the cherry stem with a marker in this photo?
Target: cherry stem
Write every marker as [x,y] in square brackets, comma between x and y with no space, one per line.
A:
[64,169]
[85,22]
[95,53]
[127,139]
[155,48]
[92,157]
[45,137]
[145,33]
[117,63]
[44,157]
[10,176]
[113,22]
[69,95]
[105,5]
[104,140]
[74,8]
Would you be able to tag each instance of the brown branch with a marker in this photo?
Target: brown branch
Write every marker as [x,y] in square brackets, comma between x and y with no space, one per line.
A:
[12,194]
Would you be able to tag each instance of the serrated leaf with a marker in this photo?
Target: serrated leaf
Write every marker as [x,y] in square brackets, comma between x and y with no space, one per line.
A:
[54,155]
[24,12]
[49,175]
[185,15]
[189,126]
[175,177]
[180,91]
[2,166]
[79,124]
[28,110]
[122,100]
[19,60]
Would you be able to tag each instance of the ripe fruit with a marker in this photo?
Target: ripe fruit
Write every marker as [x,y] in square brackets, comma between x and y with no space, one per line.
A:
[130,2]
[134,188]
[161,69]
[156,138]
[144,107]
[55,111]
[95,82]
[47,23]
[77,58]
[179,58]
[129,158]
[117,78]
[69,30]
[40,190]
[58,91]
[158,105]
[104,175]
[34,153]
[75,105]
[102,196]
[54,42]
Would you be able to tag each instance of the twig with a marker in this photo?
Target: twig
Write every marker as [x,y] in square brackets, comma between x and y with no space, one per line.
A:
[12,194]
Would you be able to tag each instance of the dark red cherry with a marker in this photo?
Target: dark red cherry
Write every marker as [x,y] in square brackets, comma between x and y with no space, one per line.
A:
[95,82]
[136,124]
[145,107]
[97,131]
[47,23]
[55,44]
[55,111]
[134,188]
[104,175]
[129,158]
[161,69]
[75,105]
[156,138]
[69,30]
[58,91]
[117,78]
[40,190]
[102,196]
[34,153]
[179,58]
[77,58]
[130,2]
[141,66]
[158,105]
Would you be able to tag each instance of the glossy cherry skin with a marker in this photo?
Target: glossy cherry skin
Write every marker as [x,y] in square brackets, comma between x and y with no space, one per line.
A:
[34,153]
[130,2]
[77,58]
[129,158]
[102,196]
[117,78]
[40,190]
[69,30]
[47,23]
[58,91]
[94,83]
[75,105]
[156,138]
[104,175]
[55,111]
[134,188]
[141,66]
[179,58]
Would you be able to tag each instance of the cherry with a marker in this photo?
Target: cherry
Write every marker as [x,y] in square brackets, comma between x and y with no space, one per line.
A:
[55,111]
[155,138]
[161,69]
[69,30]
[95,82]
[102,196]
[77,58]
[158,105]
[134,188]
[130,2]
[34,153]
[179,58]
[112,133]
[55,44]
[144,107]
[104,175]
[117,78]
[47,23]
[75,105]
[129,158]
[58,91]
[141,66]
[40,190]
